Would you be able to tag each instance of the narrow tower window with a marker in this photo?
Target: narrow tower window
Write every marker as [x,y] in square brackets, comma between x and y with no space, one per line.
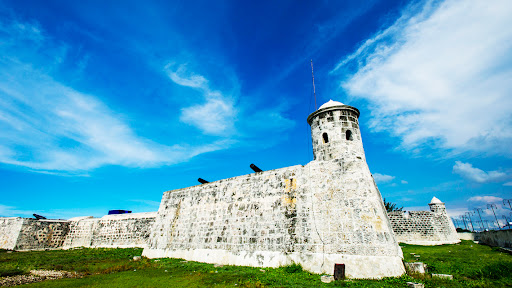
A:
[348,135]
[326,138]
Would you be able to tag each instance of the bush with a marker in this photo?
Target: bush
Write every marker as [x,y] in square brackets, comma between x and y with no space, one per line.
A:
[293,268]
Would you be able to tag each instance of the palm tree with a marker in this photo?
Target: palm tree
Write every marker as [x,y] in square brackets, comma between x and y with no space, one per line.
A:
[391,206]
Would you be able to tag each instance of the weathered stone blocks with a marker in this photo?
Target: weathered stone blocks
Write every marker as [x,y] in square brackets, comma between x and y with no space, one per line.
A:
[31,234]
[329,211]
[424,227]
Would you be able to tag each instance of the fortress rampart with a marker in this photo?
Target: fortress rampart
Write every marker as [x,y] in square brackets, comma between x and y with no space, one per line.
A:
[110,231]
[30,234]
[424,227]
[329,211]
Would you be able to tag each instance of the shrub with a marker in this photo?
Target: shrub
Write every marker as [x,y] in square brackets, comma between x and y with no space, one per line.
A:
[293,268]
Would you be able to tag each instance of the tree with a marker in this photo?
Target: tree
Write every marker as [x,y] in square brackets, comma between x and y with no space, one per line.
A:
[391,206]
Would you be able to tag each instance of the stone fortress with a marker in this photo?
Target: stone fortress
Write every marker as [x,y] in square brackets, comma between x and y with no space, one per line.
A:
[432,227]
[110,231]
[327,212]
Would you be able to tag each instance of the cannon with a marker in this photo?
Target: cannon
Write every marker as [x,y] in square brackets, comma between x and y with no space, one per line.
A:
[202,181]
[39,217]
[118,211]
[255,168]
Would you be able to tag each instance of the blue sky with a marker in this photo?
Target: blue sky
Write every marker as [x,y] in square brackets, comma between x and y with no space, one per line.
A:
[106,106]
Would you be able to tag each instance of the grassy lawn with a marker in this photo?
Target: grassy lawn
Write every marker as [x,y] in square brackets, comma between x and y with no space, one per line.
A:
[472,265]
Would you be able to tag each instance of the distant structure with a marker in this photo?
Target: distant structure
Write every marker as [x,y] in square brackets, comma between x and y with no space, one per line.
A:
[109,231]
[32,234]
[432,227]
[329,211]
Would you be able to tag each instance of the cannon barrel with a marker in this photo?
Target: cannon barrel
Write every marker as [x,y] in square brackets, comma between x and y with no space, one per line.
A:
[255,168]
[202,181]
[39,217]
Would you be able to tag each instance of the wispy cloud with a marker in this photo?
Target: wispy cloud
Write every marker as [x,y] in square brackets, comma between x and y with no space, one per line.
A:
[439,76]
[467,171]
[382,178]
[485,199]
[215,114]
[51,127]
[10,211]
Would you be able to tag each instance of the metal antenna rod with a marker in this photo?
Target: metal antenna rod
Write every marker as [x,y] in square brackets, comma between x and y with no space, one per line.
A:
[478,210]
[507,222]
[469,214]
[464,221]
[313,75]
[492,207]
[508,201]
[487,223]
[455,222]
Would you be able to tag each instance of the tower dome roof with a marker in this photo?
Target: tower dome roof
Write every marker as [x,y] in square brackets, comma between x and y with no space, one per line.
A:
[435,201]
[331,103]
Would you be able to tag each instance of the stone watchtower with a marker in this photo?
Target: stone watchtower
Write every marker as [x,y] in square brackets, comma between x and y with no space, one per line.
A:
[437,206]
[335,132]
[350,222]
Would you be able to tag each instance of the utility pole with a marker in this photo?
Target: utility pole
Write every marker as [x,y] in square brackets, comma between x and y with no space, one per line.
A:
[492,207]
[508,201]
[478,210]
[470,221]
[456,222]
[507,222]
[464,221]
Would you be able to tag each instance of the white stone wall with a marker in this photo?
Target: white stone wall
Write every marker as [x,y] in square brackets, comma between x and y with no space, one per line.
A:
[329,211]
[324,213]
[31,234]
[424,227]
[468,236]
[42,234]
[9,231]
[500,238]
[111,231]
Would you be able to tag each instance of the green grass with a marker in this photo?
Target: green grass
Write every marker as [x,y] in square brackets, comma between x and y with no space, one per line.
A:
[472,265]
[86,261]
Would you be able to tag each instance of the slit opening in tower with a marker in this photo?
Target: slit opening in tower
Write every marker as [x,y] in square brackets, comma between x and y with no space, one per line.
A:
[348,135]
[326,138]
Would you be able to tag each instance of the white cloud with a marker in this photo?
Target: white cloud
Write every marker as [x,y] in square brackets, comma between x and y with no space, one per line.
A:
[467,171]
[485,199]
[10,211]
[216,114]
[440,76]
[181,76]
[382,178]
[404,182]
[507,184]
[50,127]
